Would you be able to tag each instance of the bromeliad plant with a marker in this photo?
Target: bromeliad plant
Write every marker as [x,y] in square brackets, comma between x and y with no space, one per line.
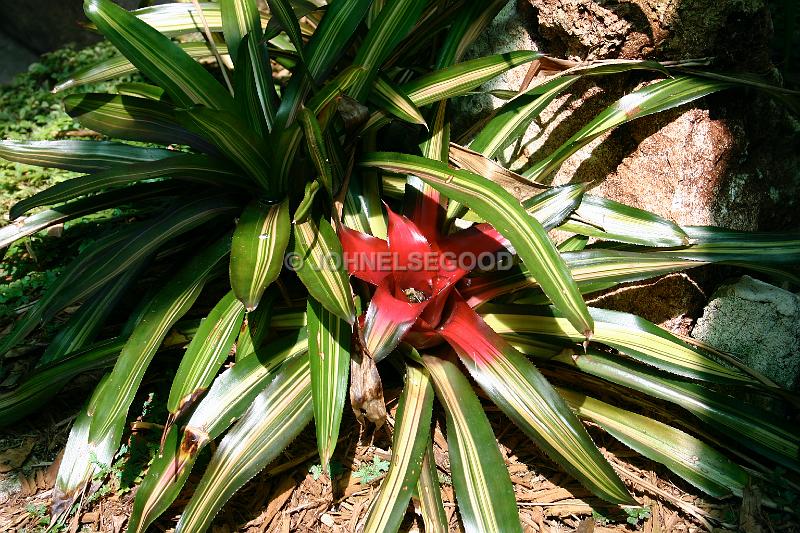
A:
[242,171]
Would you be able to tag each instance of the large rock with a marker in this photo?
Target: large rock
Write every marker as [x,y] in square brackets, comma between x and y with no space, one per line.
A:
[44,25]
[758,322]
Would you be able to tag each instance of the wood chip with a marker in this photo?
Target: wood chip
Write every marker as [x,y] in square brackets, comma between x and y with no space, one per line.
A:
[13,458]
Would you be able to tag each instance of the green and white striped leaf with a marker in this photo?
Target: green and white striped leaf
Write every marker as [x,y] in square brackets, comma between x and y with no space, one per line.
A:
[240,18]
[256,326]
[315,142]
[729,413]
[22,227]
[234,139]
[142,90]
[587,268]
[429,494]
[229,397]
[393,22]
[461,78]
[79,156]
[194,168]
[47,380]
[492,202]
[259,244]
[208,350]
[255,89]
[718,244]
[275,418]
[689,457]
[612,221]
[395,102]
[629,334]
[118,66]
[516,114]
[157,57]
[486,500]
[168,305]
[182,17]
[330,40]
[133,119]
[82,456]
[528,399]
[329,354]
[84,325]
[317,259]
[108,257]
[653,98]
[283,13]
[467,25]
[409,443]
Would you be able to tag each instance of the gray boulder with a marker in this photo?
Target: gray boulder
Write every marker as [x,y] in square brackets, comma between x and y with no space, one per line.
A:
[758,322]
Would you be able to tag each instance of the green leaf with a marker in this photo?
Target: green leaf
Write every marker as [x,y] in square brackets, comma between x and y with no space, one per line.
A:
[330,40]
[22,227]
[692,459]
[228,398]
[629,334]
[84,325]
[316,148]
[282,11]
[240,18]
[516,114]
[729,413]
[528,399]
[256,327]
[486,500]
[173,301]
[429,493]
[47,380]
[258,248]
[718,244]
[255,89]
[110,256]
[317,259]
[275,418]
[612,221]
[394,102]
[208,350]
[394,21]
[142,90]
[83,457]
[119,65]
[234,139]
[329,354]
[653,98]
[409,443]
[79,156]
[492,202]
[185,167]
[463,77]
[180,18]
[468,23]
[132,118]
[157,57]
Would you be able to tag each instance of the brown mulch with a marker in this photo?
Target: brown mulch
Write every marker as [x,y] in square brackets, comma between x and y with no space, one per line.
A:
[287,498]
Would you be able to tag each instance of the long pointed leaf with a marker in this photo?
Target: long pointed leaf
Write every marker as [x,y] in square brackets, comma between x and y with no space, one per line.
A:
[259,243]
[486,500]
[78,156]
[157,57]
[409,444]
[523,394]
[329,353]
[275,418]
